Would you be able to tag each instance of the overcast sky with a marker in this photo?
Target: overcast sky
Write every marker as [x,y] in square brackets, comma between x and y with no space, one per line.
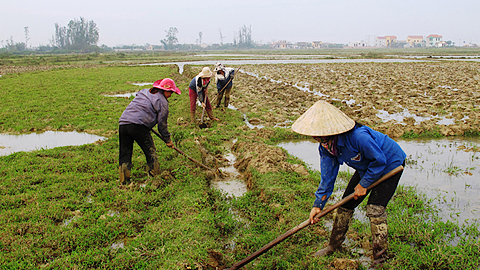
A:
[336,21]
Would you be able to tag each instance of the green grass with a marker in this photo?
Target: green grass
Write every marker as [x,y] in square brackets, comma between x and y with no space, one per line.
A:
[63,208]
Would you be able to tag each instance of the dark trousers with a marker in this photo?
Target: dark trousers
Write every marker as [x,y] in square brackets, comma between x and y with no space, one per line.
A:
[140,134]
[379,195]
[225,91]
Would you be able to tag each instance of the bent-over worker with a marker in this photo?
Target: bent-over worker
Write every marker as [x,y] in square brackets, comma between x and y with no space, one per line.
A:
[371,153]
[224,77]
[147,109]
[198,89]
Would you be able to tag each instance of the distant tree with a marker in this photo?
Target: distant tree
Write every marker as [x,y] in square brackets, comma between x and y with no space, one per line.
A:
[15,46]
[80,35]
[243,39]
[171,39]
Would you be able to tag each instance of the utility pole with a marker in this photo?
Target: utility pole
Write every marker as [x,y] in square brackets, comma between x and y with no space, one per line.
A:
[27,37]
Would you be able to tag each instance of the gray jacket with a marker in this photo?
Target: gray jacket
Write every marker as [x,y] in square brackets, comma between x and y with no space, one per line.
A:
[148,109]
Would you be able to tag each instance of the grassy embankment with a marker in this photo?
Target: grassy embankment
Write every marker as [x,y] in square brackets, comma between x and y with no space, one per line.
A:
[64,208]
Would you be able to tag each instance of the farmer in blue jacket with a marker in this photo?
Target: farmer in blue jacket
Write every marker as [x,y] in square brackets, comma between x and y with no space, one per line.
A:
[224,77]
[372,155]
[147,109]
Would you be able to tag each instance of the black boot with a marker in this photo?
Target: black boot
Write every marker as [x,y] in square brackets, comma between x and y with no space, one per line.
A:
[340,228]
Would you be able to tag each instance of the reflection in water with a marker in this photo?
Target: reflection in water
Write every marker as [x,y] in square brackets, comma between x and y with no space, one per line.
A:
[307,150]
[446,170]
[46,140]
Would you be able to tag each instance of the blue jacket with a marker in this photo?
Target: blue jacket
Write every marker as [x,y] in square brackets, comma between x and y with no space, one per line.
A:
[148,109]
[222,80]
[371,153]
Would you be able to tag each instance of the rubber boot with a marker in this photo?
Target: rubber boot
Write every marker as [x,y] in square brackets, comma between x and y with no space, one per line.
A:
[210,115]
[153,169]
[378,224]
[227,101]
[192,117]
[125,173]
[340,228]
[219,100]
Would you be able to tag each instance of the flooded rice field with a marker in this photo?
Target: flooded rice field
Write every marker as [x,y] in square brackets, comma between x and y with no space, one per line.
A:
[394,98]
[446,170]
[49,139]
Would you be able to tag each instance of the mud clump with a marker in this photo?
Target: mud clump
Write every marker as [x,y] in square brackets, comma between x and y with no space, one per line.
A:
[344,264]
[263,158]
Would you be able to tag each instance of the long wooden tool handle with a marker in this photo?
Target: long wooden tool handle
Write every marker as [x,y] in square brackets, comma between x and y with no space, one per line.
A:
[202,165]
[223,88]
[204,102]
[182,153]
[307,222]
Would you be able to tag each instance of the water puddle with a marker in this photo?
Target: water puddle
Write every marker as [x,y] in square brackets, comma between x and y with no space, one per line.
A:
[120,244]
[128,95]
[446,170]
[67,221]
[253,123]
[399,117]
[49,139]
[232,186]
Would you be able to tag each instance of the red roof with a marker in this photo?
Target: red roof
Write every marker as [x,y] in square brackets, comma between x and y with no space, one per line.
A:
[415,37]
[434,35]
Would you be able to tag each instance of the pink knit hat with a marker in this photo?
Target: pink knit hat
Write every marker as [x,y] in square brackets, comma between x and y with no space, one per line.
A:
[167,84]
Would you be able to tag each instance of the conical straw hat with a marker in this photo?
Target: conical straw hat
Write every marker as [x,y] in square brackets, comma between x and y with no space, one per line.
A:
[323,119]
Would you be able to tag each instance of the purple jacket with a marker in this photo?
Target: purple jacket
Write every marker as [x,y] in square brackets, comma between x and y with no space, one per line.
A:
[148,109]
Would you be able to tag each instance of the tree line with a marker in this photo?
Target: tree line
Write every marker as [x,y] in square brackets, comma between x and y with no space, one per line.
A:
[81,35]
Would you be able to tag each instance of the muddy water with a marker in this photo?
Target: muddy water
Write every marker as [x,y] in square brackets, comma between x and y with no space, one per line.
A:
[46,140]
[446,170]
[231,186]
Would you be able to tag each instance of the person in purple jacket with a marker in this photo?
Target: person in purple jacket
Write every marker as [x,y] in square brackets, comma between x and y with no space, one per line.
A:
[147,109]
[372,154]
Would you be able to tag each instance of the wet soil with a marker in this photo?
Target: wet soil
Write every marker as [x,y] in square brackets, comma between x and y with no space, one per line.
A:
[425,92]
